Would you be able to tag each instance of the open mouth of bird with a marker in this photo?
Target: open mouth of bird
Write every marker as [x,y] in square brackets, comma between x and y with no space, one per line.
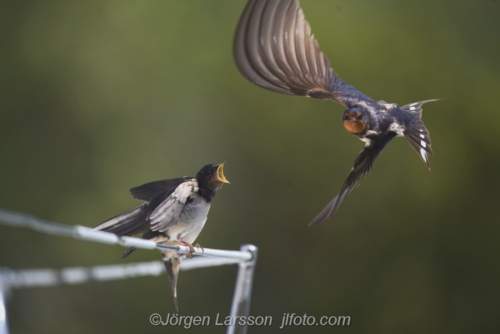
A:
[220,174]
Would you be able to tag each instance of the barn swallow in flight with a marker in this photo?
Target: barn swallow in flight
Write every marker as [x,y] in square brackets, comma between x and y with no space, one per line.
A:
[274,49]
[174,213]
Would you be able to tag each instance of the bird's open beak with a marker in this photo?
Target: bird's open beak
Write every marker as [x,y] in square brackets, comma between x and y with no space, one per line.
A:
[220,174]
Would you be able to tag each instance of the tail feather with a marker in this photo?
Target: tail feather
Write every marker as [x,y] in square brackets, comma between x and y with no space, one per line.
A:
[419,139]
[172,266]
[129,223]
[418,135]
[128,251]
[416,107]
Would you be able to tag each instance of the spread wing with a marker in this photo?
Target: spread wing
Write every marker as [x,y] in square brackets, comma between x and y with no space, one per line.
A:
[167,212]
[362,166]
[149,190]
[274,48]
[135,221]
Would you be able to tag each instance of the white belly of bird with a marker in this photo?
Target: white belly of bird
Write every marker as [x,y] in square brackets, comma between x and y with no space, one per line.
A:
[398,128]
[191,221]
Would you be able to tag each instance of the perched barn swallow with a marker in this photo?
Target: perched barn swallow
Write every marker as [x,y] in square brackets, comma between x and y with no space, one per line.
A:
[174,213]
[274,48]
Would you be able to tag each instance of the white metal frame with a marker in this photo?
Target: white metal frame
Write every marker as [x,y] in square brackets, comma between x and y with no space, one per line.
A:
[246,258]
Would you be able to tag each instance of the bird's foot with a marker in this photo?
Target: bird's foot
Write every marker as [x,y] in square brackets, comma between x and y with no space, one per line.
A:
[189,254]
[199,246]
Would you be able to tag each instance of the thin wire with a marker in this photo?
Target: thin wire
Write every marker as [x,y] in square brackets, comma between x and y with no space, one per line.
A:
[45,277]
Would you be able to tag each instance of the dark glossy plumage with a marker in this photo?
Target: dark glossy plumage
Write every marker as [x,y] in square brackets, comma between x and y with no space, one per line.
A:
[274,48]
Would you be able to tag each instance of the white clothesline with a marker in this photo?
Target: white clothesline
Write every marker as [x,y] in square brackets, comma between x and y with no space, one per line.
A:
[18,219]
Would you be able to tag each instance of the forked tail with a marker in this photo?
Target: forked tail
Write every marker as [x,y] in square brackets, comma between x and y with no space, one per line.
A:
[418,135]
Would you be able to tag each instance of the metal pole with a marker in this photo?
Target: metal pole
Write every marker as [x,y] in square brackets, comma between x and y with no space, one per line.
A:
[3,308]
[243,291]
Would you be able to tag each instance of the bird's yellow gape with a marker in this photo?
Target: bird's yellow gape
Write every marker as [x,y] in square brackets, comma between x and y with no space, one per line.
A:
[220,174]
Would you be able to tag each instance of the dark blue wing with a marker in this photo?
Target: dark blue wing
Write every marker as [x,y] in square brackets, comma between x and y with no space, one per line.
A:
[362,166]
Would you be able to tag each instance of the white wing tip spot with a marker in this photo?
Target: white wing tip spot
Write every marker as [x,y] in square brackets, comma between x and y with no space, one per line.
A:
[423,154]
[423,144]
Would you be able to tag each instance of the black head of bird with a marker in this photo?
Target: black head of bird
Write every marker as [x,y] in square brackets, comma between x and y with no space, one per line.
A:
[274,49]
[211,176]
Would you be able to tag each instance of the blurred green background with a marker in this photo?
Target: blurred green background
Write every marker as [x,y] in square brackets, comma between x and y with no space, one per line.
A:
[99,96]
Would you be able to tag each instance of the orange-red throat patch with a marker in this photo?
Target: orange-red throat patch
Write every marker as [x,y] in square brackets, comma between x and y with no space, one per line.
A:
[354,126]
